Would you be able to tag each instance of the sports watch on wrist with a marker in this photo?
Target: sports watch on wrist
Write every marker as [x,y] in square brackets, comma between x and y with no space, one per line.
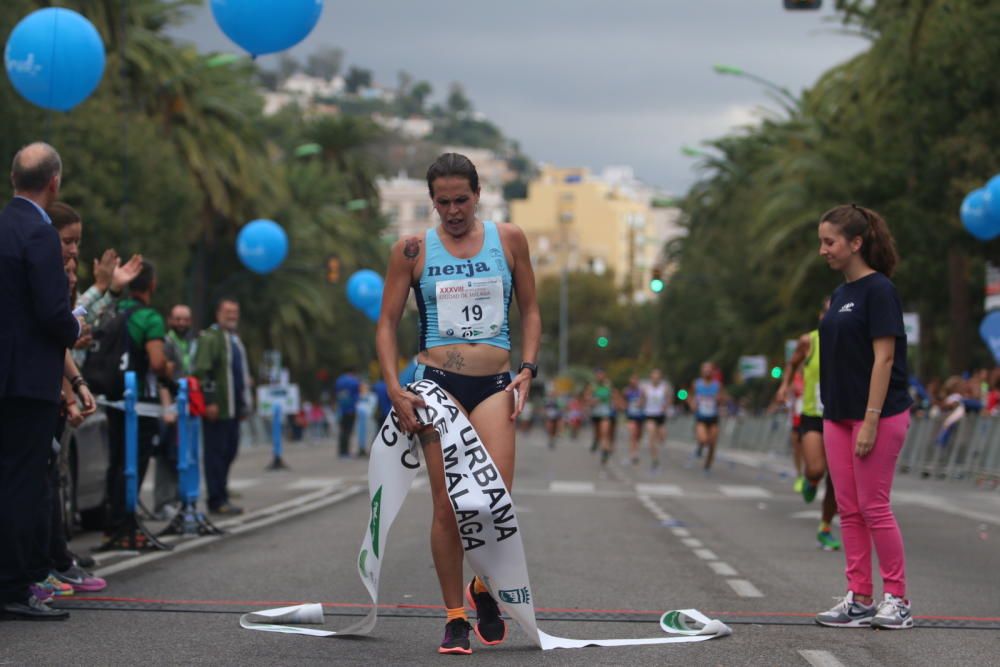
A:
[530,366]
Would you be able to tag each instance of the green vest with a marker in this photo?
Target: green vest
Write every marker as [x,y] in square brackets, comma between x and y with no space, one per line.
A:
[182,351]
[602,394]
[812,405]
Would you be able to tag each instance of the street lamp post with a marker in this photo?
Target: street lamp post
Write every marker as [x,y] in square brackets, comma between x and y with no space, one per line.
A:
[564,219]
[563,320]
[736,71]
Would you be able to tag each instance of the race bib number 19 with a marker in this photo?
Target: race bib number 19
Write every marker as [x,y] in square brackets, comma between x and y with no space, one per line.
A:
[707,406]
[470,308]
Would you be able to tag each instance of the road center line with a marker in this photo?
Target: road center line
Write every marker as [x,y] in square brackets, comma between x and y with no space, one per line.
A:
[705,554]
[692,542]
[821,659]
[740,491]
[559,486]
[723,569]
[744,588]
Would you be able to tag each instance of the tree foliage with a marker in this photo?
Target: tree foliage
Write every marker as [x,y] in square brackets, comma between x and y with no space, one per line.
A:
[172,155]
[907,128]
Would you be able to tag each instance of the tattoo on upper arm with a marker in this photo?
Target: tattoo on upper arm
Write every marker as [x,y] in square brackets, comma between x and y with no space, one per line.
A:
[411,249]
[455,361]
[428,436]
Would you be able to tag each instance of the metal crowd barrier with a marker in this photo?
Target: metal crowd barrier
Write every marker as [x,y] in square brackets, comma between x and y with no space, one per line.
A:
[970,452]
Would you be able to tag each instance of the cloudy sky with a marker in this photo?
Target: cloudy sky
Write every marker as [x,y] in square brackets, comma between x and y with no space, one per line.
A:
[585,82]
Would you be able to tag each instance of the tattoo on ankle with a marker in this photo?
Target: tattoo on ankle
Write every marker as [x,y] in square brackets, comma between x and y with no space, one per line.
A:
[455,361]
[428,436]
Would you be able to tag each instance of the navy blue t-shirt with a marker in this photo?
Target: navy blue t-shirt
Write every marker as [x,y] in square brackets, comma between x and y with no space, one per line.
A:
[347,389]
[380,391]
[861,311]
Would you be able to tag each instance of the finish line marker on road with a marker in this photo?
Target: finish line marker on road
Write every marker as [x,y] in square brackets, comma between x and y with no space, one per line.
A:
[434,611]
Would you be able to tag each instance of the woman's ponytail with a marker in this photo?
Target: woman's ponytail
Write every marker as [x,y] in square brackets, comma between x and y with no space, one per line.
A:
[878,248]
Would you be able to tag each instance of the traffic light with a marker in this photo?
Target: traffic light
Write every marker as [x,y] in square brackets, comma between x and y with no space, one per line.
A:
[803,4]
[656,283]
[682,395]
[332,269]
[603,337]
[776,372]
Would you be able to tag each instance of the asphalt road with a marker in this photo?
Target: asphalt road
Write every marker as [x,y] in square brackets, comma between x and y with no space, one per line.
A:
[606,554]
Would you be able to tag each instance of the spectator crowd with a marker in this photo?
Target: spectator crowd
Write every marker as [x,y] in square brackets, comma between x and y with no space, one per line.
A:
[63,354]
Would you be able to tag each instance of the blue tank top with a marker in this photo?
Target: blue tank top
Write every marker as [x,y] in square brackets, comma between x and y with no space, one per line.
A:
[633,402]
[464,300]
[706,398]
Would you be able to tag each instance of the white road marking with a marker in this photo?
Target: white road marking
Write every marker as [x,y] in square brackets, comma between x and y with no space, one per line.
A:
[932,502]
[240,484]
[659,490]
[821,659]
[723,569]
[613,493]
[692,542]
[681,532]
[654,509]
[705,554]
[744,492]
[649,504]
[571,487]
[309,483]
[807,514]
[744,588]
[246,523]
[547,493]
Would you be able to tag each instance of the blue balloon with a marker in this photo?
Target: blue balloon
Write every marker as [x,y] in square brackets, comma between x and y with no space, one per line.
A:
[364,288]
[373,311]
[54,58]
[974,216]
[989,329]
[262,245]
[991,197]
[266,26]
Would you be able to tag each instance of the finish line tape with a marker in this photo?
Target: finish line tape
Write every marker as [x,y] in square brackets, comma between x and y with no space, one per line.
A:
[487,527]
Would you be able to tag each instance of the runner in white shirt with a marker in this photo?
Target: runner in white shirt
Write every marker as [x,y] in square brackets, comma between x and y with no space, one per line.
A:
[657,395]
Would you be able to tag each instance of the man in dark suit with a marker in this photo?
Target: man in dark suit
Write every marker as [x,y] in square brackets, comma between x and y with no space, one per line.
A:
[36,327]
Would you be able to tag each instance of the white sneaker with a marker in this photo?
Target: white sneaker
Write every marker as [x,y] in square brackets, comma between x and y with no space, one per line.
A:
[893,614]
[848,613]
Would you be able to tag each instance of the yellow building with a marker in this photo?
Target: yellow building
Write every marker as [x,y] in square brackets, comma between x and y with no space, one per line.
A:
[586,223]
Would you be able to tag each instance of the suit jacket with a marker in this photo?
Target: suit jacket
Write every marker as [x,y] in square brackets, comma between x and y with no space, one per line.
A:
[36,324]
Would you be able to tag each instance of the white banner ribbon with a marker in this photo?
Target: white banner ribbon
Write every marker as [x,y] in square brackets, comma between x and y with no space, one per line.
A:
[142,409]
[487,526]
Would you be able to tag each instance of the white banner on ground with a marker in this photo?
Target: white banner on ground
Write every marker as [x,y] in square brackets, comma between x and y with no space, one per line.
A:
[487,526]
